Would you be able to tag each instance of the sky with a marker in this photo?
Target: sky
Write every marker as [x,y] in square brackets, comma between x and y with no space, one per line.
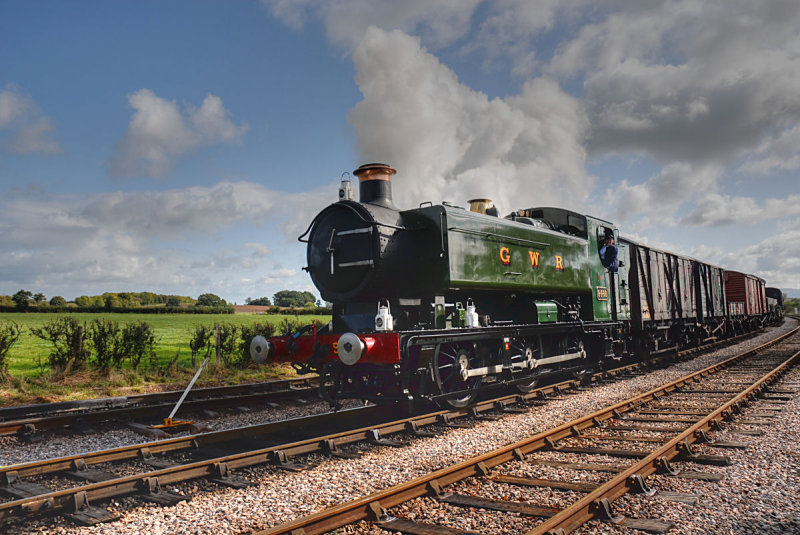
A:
[181,147]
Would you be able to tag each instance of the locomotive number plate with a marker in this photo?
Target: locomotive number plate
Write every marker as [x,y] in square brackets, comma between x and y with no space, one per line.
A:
[602,293]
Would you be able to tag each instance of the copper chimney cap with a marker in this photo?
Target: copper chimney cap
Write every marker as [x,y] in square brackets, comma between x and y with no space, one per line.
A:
[374,171]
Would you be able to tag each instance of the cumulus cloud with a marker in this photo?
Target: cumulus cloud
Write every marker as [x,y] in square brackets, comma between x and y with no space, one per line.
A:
[656,200]
[715,209]
[447,140]
[687,80]
[162,239]
[24,128]
[439,22]
[159,133]
[780,152]
[776,259]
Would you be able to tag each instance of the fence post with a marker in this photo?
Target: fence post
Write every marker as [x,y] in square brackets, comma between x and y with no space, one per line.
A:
[216,343]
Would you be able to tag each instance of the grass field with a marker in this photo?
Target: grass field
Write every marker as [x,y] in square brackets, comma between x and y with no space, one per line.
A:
[173,331]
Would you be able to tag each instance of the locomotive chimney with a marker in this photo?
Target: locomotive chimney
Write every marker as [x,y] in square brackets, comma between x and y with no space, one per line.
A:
[375,184]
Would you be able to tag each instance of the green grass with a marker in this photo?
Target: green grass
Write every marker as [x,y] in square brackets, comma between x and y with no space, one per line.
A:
[32,382]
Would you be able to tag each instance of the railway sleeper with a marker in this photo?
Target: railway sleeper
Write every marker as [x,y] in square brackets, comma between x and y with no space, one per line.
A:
[332,448]
[403,525]
[153,492]
[375,438]
[686,454]
[81,512]
[281,460]
[604,511]
[12,486]
[222,476]
[82,472]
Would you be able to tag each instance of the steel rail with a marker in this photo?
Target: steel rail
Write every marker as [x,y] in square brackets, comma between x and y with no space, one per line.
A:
[28,418]
[373,506]
[385,423]
[587,508]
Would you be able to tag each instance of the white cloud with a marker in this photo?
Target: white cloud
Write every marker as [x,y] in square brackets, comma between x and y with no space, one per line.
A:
[448,141]
[27,129]
[159,133]
[776,259]
[715,209]
[687,80]
[780,152]
[439,22]
[174,241]
[656,200]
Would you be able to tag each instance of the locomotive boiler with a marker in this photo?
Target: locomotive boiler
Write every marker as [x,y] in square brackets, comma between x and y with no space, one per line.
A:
[439,301]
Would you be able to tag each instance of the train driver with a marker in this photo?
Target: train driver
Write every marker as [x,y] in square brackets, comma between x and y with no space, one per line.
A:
[608,254]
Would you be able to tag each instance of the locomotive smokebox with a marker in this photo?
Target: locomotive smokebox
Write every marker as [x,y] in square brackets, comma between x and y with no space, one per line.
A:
[375,184]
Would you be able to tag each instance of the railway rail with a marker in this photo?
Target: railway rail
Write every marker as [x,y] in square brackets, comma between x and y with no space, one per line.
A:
[666,423]
[28,419]
[218,455]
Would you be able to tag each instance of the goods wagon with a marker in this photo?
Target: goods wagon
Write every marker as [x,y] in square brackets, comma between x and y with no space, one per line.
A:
[748,290]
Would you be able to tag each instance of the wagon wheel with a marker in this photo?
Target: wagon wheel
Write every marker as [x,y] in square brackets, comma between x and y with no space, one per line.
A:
[523,349]
[448,365]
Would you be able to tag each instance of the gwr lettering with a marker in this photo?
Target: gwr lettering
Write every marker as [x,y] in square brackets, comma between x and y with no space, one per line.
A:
[534,256]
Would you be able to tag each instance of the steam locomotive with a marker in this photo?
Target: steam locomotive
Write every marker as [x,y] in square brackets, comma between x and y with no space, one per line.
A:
[439,301]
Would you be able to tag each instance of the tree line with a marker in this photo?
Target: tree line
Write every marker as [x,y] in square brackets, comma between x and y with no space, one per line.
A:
[116,301]
[24,299]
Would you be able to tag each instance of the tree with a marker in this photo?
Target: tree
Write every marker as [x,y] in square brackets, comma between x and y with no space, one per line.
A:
[261,301]
[293,298]
[38,298]
[22,298]
[210,300]
[173,301]
[58,301]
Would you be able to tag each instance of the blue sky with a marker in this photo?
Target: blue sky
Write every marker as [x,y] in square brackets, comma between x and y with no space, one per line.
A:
[181,147]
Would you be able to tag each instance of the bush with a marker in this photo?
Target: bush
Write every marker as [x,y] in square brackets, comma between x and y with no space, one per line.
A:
[201,341]
[9,334]
[228,344]
[67,336]
[104,336]
[138,341]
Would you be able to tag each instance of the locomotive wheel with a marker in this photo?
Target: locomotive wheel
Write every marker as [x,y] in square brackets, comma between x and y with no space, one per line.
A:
[448,365]
[523,349]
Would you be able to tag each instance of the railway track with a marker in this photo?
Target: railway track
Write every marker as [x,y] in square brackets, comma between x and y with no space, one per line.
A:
[28,420]
[621,445]
[47,487]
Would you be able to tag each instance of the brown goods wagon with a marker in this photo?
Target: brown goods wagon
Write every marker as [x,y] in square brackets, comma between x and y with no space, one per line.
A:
[747,289]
